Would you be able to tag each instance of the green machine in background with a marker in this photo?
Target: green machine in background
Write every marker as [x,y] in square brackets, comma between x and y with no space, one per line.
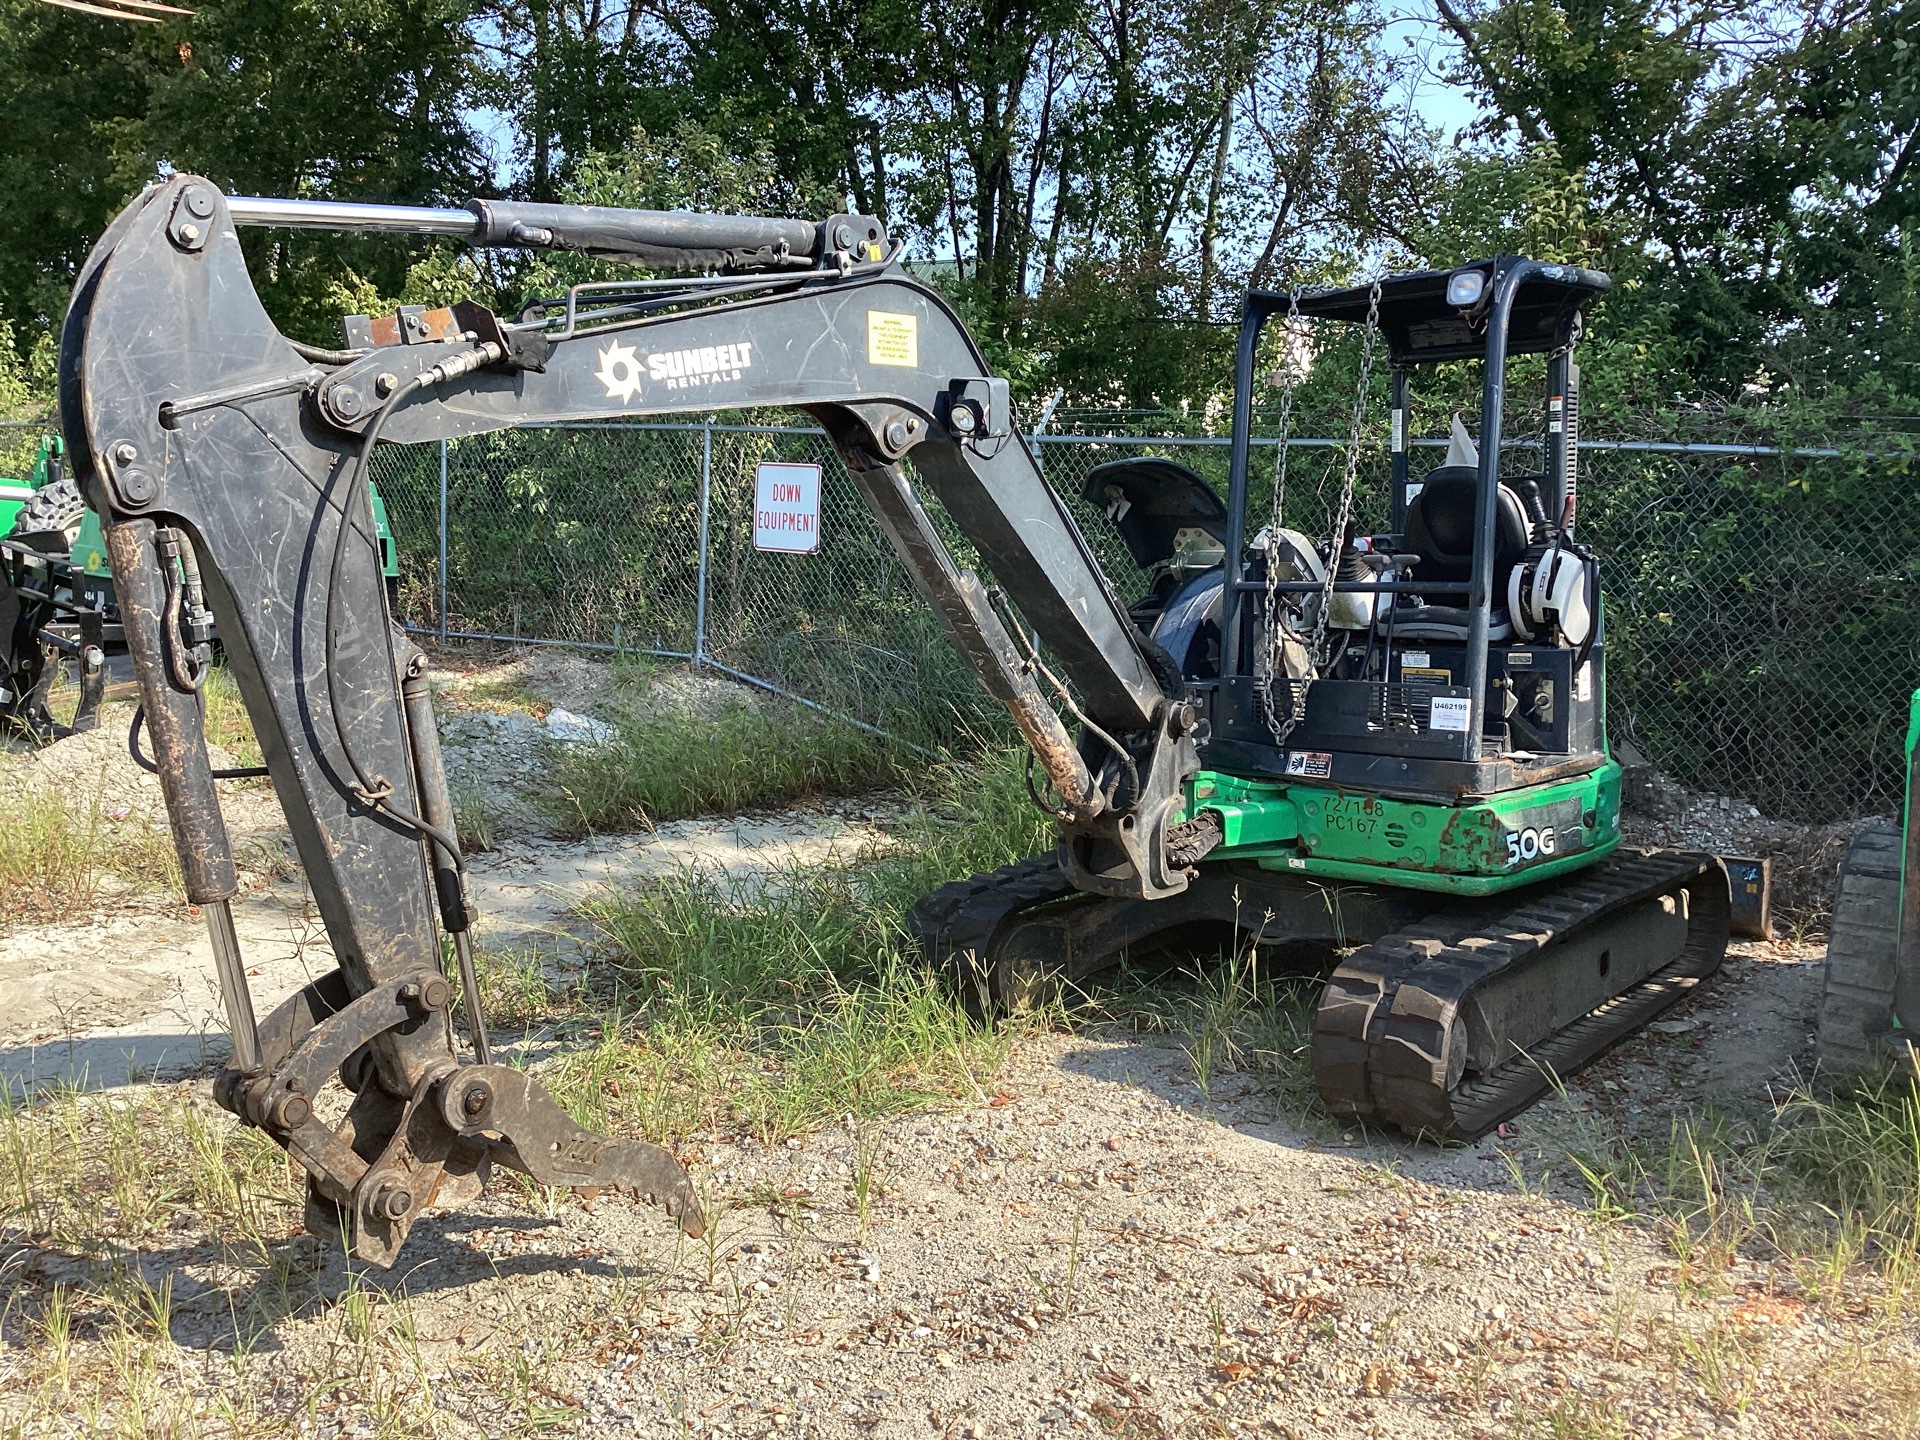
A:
[1870,1008]
[57,604]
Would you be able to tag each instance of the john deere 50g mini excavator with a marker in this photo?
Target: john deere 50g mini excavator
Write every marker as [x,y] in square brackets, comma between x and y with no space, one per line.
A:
[1413,718]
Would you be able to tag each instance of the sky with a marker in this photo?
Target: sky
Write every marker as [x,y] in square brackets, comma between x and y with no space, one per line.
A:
[1413,28]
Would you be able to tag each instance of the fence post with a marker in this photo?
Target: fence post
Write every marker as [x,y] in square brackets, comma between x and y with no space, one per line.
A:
[1040,431]
[700,584]
[443,542]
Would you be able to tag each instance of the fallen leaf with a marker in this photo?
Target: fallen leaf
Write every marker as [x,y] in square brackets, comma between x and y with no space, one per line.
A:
[1768,1310]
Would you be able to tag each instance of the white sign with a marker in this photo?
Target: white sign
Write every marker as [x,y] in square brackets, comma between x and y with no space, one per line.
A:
[1450,712]
[786,508]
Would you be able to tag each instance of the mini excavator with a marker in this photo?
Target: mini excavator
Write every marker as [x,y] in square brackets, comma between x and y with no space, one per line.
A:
[1390,746]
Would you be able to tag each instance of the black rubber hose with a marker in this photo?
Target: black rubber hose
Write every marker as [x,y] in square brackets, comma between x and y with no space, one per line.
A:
[145,761]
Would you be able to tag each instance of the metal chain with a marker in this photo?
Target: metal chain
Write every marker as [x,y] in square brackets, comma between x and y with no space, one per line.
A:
[1317,649]
[1345,514]
[1272,615]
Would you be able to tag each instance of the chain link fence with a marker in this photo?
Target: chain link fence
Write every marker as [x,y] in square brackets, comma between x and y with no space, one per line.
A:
[1761,619]
[1762,623]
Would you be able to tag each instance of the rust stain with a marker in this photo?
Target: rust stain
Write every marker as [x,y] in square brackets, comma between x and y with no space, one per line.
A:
[437,324]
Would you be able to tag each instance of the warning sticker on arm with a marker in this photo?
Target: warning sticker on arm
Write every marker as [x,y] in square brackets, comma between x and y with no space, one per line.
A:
[892,339]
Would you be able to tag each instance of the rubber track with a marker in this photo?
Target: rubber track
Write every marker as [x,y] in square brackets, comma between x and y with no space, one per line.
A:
[1863,953]
[1380,1033]
[957,924]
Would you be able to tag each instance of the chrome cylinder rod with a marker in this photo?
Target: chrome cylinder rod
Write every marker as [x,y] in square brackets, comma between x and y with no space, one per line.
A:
[234,993]
[470,997]
[351,215]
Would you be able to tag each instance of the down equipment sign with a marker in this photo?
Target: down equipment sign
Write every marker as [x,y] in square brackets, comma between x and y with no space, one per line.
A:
[786,508]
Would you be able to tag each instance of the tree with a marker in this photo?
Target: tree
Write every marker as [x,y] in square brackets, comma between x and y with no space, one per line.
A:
[1762,174]
[349,99]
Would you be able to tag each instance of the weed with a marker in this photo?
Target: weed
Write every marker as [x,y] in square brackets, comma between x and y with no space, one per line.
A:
[1855,1155]
[224,715]
[742,756]
[774,1005]
[500,693]
[518,989]
[1073,1254]
[476,820]
[1829,1180]
[1719,1362]
[53,851]
[866,1159]
[1222,997]
[1575,1416]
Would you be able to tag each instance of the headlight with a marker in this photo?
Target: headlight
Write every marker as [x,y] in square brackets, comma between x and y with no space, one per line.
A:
[1464,288]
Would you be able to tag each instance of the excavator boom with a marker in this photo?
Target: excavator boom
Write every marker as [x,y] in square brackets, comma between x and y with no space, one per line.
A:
[229,467]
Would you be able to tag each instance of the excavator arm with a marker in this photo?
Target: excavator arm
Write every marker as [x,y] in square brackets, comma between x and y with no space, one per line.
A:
[229,465]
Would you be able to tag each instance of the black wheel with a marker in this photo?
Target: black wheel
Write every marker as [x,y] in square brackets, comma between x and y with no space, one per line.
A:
[54,509]
[1856,1007]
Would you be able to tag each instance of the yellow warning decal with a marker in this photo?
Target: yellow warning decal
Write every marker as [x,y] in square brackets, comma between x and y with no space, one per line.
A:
[892,339]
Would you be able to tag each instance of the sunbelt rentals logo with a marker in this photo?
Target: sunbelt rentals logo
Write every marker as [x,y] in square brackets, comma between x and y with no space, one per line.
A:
[621,367]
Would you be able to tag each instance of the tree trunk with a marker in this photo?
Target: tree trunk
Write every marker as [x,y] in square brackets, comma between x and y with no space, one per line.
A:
[1210,227]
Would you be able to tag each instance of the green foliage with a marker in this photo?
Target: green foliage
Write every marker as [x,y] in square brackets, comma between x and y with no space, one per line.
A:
[26,400]
[773,1004]
[361,99]
[1759,181]
[1091,186]
[740,756]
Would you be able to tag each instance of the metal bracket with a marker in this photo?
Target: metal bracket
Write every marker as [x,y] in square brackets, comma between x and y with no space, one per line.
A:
[192,217]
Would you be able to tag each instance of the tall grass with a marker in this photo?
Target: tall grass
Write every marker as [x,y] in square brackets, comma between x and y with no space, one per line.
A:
[740,756]
[1827,1182]
[53,851]
[774,1004]
[1854,1155]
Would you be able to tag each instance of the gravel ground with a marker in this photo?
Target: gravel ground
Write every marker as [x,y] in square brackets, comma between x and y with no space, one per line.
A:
[1088,1247]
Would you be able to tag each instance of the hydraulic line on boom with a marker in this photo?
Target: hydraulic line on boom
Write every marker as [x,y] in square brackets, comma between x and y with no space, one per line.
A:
[193,421]
[1407,770]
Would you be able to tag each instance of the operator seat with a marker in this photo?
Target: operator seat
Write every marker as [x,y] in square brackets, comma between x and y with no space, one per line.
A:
[1439,530]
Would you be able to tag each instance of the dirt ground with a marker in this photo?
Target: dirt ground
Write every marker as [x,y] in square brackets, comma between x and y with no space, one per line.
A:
[1088,1244]
[127,992]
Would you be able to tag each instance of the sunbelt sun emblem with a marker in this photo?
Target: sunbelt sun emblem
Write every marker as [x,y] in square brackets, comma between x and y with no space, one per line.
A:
[619,371]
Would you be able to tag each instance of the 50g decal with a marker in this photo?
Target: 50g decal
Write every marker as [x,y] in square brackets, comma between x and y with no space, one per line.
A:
[1529,844]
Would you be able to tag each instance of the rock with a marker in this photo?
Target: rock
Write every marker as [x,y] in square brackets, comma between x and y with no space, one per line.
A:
[572,729]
